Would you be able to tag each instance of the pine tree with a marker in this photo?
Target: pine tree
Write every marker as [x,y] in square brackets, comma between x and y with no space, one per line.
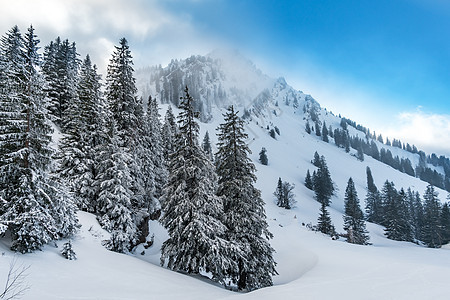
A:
[191,210]
[33,196]
[416,213]
[68,251]
[284,194]
[288,195]
[323,185]
[316,162]
[445,223]
[169,130]
[127,115]
[244,213]
[317,127]
[308,127]
[396,214]
[360,153]
[324,224]
[324,132]
[263,157]
[60,69]
[206,146]
[353,218]
[84,132]
[431,225]
[279,192]
[154,148]
[121,92]
[373,201]
[308,181]
[115,197]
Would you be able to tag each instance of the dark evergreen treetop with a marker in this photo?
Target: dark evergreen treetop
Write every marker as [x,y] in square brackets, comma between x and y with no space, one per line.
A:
[263,156]
[121,92]
[308,180]
[206,145]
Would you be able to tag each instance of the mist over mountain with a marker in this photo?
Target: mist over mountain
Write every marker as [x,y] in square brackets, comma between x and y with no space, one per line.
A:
[225,77]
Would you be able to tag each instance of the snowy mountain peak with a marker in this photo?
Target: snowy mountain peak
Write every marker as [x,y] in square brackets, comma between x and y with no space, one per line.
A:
[218,79]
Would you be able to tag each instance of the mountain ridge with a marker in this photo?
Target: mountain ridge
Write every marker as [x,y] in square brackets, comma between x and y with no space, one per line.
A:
[225,77]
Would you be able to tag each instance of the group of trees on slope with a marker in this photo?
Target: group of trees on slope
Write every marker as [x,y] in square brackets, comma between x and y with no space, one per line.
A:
[121,163]
[368,146]
[405,216]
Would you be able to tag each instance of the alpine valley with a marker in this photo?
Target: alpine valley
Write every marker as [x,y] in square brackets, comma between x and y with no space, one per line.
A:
[290,135]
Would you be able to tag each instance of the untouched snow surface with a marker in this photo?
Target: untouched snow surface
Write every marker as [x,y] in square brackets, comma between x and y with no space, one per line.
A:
[310,265]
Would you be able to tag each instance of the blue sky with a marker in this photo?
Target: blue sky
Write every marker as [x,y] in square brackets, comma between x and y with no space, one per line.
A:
[385,64]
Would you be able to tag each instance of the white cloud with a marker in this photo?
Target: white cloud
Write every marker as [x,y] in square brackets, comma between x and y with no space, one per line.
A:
[429,132]
[155,34]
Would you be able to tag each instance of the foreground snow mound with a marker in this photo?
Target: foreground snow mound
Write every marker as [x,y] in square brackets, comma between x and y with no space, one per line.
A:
[100,274]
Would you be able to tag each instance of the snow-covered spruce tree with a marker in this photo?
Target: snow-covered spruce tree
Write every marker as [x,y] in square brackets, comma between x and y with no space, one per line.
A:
[121,94]
[191,209]
[360,153]
[316,162]
[244,213]
[169,131]
[324,223]
[308,180]
[84,132]
[373,200]
[206,146]
[431,225]
[323,185]
[353,218]
[34,198]
[416,213]
[317,127]
[115,197]
[324,132]
[68,251]
[396,214]
[308,127]
[279,192]
[284,194]
[445,223]
[60,68]
[155,168]
[126,111]
[263,157]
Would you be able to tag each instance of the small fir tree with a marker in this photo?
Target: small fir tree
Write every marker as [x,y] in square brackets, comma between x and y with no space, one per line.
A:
[431,226]
[317,127]
[373,200]
[323,185]
[263,157]
[353,218]
[445,223]
[308,181]
[206,146]
[324,132]
[308,128]
[284,194]
[316,162]
[68,252]
[324,224]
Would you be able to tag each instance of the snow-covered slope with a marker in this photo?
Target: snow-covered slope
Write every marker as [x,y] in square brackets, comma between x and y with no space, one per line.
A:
[310,265]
